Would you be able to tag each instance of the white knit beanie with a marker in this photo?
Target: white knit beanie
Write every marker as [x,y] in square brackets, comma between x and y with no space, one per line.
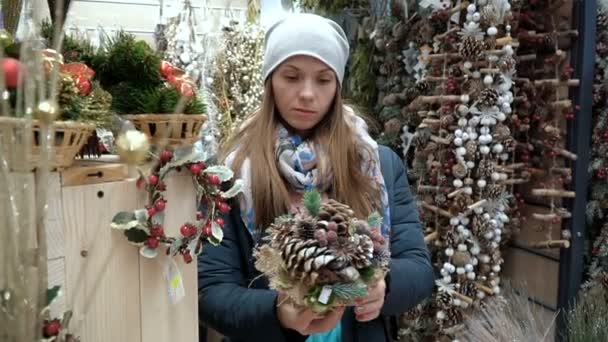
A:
[306,34]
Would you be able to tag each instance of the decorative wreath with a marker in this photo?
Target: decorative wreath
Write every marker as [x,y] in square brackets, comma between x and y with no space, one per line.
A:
[144,227]
[323,257]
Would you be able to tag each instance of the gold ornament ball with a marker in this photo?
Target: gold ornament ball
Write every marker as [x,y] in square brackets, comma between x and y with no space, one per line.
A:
[47,112]
[133,146]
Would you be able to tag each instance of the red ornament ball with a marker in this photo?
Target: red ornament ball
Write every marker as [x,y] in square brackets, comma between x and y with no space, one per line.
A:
[12,69]
[166,156]
[214,179]
[185,230]
[51,328]
[152,242]
[187,257]
[224,208]
[157,231]
[160,205]
[153,179]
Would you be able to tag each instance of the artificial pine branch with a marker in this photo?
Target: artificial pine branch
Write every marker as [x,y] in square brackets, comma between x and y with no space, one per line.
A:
[312,202]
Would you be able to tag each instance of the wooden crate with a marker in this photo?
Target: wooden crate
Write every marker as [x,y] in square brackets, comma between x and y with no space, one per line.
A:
[115,294]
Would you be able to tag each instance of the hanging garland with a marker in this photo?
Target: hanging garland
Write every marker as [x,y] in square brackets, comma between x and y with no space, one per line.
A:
[237,79]
[597,207]
[144,227]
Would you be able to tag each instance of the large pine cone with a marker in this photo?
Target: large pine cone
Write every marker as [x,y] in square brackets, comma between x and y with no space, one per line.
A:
[304,259]
[358,254]
[471,48]
[488,97]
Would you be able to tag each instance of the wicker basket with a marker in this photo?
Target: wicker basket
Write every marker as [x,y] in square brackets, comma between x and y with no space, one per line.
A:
[70,137]
[172,130]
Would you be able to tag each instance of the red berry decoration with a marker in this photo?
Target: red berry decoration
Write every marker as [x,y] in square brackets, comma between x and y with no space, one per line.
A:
[151,211]
[161,186]
[199,215]
[207,230]
[152,242]
[185,230]
[214,179]
[12,68]
[193,230]
[166,156]
[187,257]
[140,183]
[153,179]
[51,328]
[219,221]
[157,231]
[224,208]
[195,169]
[160,205]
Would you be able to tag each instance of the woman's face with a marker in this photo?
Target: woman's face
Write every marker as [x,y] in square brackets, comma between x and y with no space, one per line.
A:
[304,89]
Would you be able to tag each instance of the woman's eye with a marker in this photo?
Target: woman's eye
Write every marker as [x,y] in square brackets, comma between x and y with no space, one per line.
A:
[324,81]
[291,77]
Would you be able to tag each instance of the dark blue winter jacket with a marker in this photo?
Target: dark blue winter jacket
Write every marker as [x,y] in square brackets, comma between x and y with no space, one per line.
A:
[244,311]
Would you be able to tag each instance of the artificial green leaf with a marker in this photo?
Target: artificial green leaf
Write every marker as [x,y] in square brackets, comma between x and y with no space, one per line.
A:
[123,217]
[136,235]
[217,234]
[52,294]
[312,202]
[141,215]
[125,226]
[234,190]
[148,252]
[222,171]
[367,273]
[374,219]
[192,245]
[175,245]
[159,218]
[349,291]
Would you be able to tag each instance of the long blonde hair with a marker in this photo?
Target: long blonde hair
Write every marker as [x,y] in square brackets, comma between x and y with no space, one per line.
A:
[256,140]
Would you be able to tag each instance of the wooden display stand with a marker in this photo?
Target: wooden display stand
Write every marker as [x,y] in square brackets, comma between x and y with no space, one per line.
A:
[116,294]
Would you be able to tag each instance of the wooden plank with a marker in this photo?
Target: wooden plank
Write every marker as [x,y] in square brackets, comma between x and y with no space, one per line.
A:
[533,275]
[56,276]
[92,172]
[102,268]
[171,322]
[55,239]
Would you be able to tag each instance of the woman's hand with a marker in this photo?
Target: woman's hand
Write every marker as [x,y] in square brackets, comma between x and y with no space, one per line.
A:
[368,307]
[305,321]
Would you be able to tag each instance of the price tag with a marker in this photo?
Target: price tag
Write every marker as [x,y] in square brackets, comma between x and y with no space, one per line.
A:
[324,295]
[175,283]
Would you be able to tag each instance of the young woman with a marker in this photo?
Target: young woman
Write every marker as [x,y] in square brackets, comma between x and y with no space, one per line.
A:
[304,137]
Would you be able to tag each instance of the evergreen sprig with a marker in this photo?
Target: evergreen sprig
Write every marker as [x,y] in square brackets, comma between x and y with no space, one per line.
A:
[312,202]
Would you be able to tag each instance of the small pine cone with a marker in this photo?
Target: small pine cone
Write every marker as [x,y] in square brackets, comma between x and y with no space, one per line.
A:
[459,170]
[361,254]
[443,300]
[488,97]
[507,64]
[450,238]
[469,289]
[337,210]
[446,120]
[480,226]
[502,131]
[461,203]
[454,316]
[485,168]
[495,191]
[441,199]
[471,147]
[471,48]
[489,15]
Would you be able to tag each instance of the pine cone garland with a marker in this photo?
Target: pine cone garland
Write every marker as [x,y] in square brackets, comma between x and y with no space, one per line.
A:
[495,191]
[480,226]
[469,289]
[488,97]
[507,64]
[471,48]
[489,15]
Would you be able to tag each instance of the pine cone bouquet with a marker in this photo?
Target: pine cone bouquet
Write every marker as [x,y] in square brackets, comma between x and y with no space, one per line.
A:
[324,256]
